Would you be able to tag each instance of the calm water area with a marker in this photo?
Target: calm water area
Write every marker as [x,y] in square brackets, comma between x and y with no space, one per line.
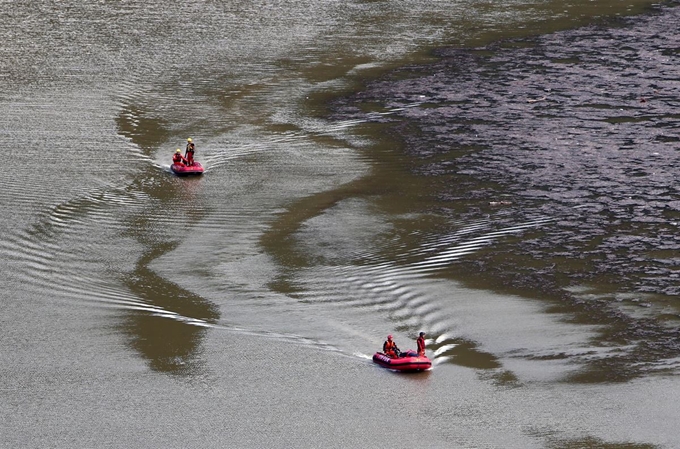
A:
[500,175]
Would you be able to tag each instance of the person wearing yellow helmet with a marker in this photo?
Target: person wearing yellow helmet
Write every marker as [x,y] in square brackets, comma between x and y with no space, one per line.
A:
[177,158]
[189,152]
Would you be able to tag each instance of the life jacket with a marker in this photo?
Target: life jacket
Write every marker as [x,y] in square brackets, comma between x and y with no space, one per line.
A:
[177,158]
[389,346]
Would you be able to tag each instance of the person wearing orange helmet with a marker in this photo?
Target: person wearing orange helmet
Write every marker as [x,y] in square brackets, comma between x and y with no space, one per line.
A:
[177,158]
[189,152]
[390,348]
[421,344]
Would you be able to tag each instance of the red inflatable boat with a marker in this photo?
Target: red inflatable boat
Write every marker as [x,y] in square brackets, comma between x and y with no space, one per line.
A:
[187,170]
[408,361]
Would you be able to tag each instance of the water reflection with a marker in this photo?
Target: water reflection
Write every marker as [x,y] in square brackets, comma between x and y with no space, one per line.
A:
[146,129]
[169,339]
[170,345]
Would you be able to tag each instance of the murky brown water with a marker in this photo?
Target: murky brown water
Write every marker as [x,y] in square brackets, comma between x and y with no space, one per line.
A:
[516,200]
[573,134]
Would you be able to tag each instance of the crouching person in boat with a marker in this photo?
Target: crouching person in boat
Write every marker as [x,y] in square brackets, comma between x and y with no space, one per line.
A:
[390,348]
[178,159]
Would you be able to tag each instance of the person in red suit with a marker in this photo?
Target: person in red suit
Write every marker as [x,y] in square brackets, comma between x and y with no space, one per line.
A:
[177,158]
[189,152]
[390,348]
[421,344]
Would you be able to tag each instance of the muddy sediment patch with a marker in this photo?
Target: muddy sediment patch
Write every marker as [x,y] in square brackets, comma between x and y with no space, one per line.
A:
[582,126]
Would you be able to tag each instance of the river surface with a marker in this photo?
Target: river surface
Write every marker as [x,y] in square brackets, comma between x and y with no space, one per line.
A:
[500,175]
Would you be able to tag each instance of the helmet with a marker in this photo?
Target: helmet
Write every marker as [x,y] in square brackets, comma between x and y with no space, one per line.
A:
[178,150]
[389,337]
[189,140]
[422,333]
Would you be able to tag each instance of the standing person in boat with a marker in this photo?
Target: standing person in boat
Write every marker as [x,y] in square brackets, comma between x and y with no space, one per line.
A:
[421,344]
[177,158]
[390,348]
[189,152]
